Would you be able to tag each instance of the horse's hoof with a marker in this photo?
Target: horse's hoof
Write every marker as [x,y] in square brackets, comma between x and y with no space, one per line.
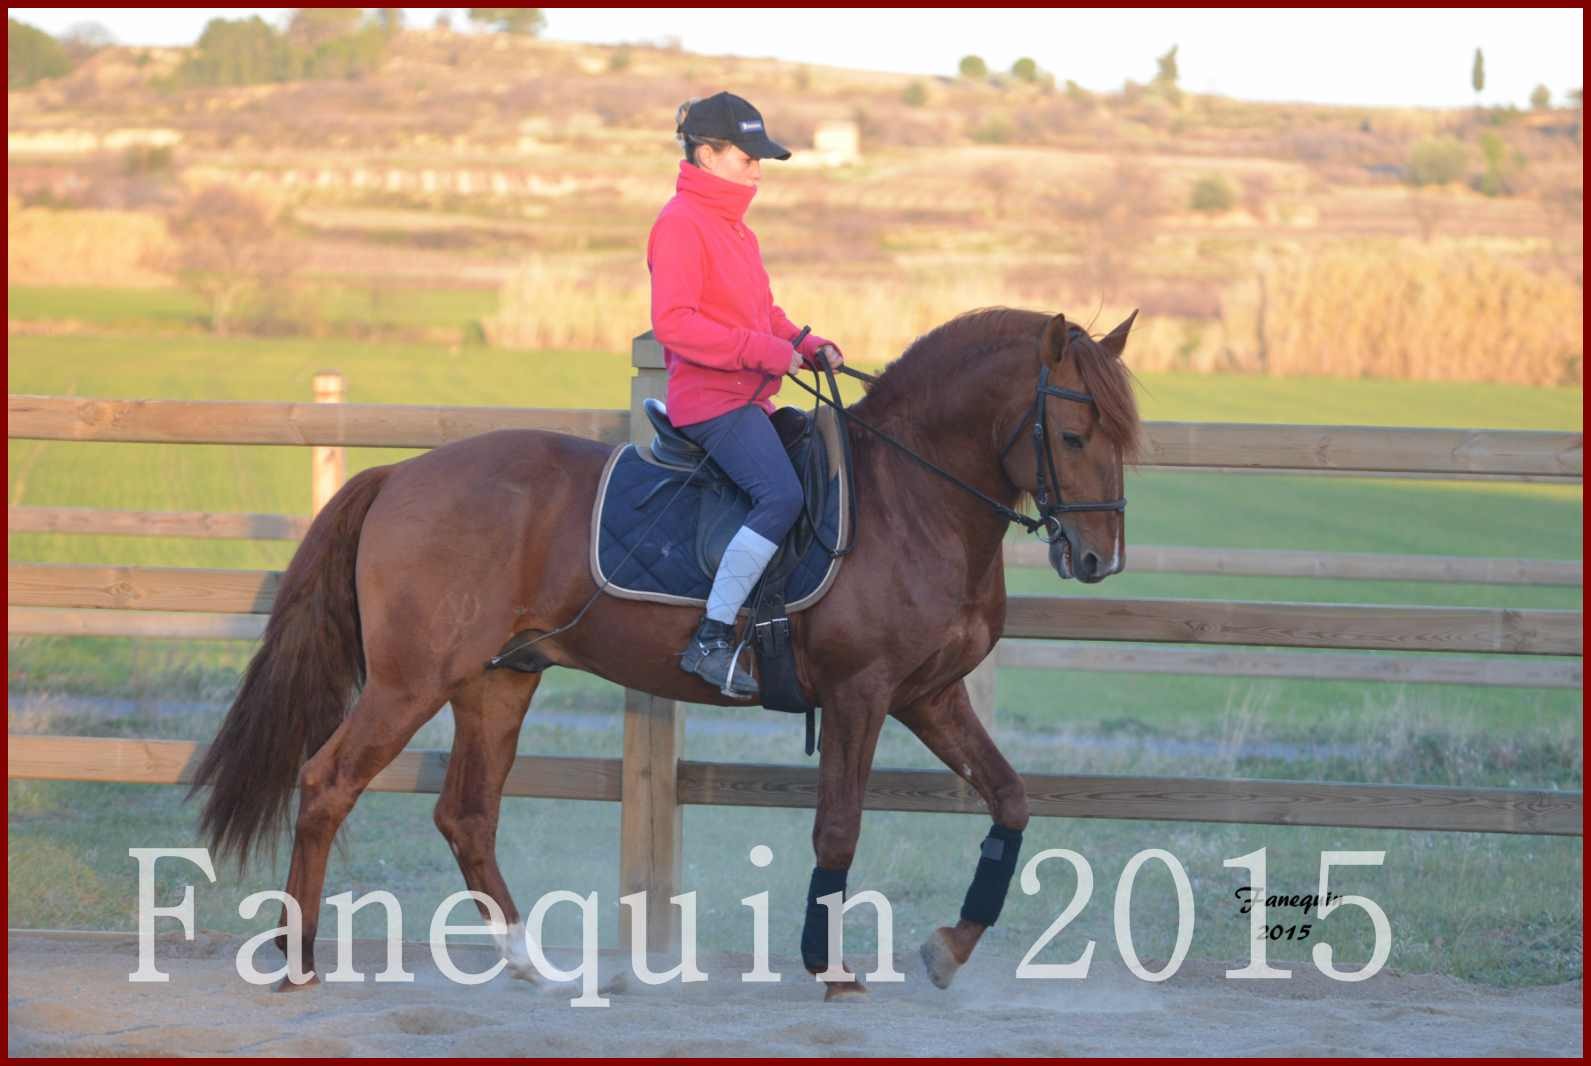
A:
[939,960]
[286,985]
[523,972]
[836,990]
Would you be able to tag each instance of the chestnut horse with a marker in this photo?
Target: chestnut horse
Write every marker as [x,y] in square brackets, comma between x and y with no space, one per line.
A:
[417,573]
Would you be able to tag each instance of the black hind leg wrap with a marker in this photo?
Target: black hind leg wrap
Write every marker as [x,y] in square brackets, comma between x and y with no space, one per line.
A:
[996,864]
[815,930]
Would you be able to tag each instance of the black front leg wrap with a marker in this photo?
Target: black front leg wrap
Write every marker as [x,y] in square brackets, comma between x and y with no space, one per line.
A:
[815,930]
[996,864]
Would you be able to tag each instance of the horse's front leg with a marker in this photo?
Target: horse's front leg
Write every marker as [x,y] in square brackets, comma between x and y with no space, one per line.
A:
[945,722]
[852,720]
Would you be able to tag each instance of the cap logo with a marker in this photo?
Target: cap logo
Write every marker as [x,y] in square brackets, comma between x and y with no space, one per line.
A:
[749,125]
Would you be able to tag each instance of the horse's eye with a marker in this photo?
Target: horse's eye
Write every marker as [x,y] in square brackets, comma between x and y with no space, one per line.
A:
[1072,440]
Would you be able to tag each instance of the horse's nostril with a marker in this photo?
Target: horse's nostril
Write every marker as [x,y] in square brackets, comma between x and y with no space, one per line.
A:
[1090,564]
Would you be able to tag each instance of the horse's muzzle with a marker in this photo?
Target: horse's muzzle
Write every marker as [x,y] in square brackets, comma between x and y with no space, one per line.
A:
[1086,566]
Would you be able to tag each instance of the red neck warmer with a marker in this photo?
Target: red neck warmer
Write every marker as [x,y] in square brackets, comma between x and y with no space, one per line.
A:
[726,199]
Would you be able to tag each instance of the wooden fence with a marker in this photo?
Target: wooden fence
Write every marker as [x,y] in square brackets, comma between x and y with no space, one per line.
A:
[652,782]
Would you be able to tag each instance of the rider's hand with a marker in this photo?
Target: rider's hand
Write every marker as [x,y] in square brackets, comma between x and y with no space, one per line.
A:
[832,354]
[797,362]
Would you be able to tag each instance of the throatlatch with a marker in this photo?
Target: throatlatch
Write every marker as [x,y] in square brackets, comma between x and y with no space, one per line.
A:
[996,864]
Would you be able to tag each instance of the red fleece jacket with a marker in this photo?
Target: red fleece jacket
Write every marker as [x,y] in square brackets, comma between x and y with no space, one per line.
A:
[725,343]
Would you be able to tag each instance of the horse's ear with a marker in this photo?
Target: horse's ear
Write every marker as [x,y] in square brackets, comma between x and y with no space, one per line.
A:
[1053,341]
[1114,341]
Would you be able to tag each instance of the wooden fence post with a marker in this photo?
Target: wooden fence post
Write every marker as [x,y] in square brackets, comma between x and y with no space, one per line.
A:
[650,822]
[328,467]
[983,688]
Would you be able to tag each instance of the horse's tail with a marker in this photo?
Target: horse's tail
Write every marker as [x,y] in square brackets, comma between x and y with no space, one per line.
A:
[297,687]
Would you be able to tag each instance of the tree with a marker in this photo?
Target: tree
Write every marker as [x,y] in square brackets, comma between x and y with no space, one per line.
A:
[973,67]
[523,20]
[1025,69]
[1166,73]
[1114,219]
[311,27]
[32,55]
[1541,98]
[390,19]
[83,39]
[239,52]
[1429,208]
[318,43]
[1477,73]
[226,245]
[1497,179]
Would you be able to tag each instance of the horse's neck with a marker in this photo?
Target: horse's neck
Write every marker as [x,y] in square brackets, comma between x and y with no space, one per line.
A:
[955,429]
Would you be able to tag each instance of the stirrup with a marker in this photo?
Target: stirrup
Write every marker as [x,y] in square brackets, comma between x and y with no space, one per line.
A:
[728,688]
[698,653]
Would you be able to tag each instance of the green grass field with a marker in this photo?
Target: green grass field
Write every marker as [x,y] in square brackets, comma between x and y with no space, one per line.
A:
[1523,892]
[162,310]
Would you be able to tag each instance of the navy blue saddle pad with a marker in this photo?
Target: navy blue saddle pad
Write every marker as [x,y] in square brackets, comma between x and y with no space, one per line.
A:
[644,535]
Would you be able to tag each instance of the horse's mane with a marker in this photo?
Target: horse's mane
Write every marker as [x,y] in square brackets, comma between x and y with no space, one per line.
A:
[937,356]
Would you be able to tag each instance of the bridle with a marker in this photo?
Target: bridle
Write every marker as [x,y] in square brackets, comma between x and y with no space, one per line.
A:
[1048,525]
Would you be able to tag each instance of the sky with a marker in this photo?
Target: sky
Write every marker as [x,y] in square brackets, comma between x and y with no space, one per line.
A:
[1365,56]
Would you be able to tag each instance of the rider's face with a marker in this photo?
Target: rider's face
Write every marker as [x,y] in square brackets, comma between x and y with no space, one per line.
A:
[730,163]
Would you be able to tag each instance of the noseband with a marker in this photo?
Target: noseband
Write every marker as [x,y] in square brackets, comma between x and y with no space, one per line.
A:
[1048,526]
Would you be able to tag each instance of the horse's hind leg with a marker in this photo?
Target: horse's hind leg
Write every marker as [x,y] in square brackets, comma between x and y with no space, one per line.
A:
[945,722]
[487,714]
[371,736]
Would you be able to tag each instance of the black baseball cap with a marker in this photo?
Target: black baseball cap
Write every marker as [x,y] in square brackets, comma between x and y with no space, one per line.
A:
[727,117]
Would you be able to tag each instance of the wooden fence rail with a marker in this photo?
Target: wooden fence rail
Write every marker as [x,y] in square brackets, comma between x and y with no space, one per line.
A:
[1233,446]
[1174,621]
[1346,566]
[198,524]
[1263,802]
[1121,658]
[1142,558]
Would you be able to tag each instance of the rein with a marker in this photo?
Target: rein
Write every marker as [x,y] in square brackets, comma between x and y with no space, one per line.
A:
[1048,521]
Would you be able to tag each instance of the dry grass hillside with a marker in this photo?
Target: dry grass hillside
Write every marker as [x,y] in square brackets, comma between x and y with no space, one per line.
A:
[1282,238]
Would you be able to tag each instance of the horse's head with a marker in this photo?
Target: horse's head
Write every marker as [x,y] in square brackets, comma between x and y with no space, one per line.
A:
[1067,452]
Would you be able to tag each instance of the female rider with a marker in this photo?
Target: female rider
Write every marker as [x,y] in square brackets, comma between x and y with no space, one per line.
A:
[727,349]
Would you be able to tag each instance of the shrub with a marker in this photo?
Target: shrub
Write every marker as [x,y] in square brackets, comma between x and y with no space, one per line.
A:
[1436,161]
[619,59]
[1025,69]
[1541,98]
[1212,193]
[915,94]
[973,67]
[1497,179]
[228,247]
[996,129]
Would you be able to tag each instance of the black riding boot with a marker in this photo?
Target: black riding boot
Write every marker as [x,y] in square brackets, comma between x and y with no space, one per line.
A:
[708,655]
